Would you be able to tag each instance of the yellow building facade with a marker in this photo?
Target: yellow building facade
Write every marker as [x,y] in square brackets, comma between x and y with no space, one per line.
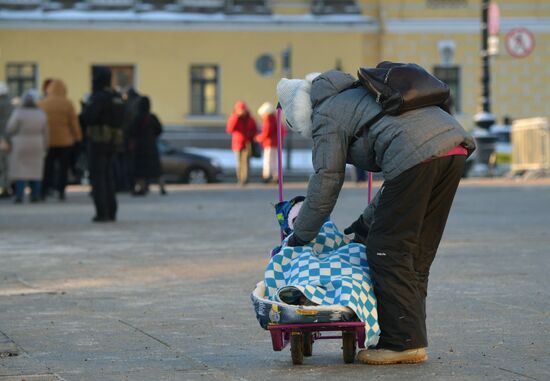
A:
[195,63]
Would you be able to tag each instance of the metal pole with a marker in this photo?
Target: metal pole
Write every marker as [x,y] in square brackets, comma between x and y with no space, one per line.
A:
[287,65]
[280,159]
[485,119]
[369,193]
[485,59]
[279,153]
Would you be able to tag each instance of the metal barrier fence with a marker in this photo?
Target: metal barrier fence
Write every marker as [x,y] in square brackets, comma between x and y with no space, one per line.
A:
[530,145]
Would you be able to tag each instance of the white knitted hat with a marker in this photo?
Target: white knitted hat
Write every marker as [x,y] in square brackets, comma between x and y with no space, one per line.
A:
[294,97]
[266,109]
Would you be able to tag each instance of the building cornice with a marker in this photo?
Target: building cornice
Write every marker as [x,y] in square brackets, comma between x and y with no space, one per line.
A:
[183,21]
[462,25]
[130,20]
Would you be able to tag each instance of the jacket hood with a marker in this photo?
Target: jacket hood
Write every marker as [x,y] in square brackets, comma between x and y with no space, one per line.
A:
[295,99]
[132,93]
[101,77]
[144,105]
[328,84]
[240,106]
[57,88]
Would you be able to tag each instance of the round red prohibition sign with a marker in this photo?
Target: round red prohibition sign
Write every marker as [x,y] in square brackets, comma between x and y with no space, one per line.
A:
[519,42]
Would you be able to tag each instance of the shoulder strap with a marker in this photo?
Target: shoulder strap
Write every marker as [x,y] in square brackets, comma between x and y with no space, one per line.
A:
[366,126]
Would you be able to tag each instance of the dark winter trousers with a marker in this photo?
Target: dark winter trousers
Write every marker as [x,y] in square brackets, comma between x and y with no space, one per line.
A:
[402,242]
[61,156]
[103,184]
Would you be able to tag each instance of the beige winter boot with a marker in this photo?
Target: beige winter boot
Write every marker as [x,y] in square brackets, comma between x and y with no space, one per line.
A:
[386,356]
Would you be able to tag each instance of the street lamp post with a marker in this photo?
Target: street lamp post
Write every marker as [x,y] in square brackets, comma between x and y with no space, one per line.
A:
[485,118]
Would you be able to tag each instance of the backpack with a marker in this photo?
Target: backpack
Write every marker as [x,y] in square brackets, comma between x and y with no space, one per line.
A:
[400,88]
[403,87]
[117,122]
[103,114]
[118,111]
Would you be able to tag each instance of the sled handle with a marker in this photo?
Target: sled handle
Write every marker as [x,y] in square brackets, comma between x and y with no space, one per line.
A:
[280,158]
[369,174]
[280,152]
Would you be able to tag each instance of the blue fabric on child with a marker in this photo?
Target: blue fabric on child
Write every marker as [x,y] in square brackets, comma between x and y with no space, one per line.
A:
[328,271]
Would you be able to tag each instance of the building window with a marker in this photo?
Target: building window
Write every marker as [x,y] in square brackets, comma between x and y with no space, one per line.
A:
[204,89]
[110,4]
[122,76]
[257,7]
[200,6]
[21,77]
[446,3]
[328,7]
[451,76]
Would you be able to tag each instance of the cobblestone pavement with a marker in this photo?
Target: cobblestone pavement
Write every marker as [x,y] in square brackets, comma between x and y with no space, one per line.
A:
[163,294]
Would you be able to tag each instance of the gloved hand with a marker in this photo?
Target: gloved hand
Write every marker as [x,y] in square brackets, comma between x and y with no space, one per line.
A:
[294,240]
[360,229]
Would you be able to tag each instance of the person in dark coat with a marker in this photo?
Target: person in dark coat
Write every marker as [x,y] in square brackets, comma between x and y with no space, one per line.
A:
[124,168]
[5,112]
[143,139]
[103,117]
[421,154]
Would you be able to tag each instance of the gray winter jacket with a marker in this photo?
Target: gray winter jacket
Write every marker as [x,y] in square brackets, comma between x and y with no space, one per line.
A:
[393,144]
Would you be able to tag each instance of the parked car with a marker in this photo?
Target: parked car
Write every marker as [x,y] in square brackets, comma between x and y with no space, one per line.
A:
[181,166]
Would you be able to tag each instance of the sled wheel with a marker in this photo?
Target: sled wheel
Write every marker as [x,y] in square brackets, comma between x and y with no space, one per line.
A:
[308,344]
[348,346]
[297,348]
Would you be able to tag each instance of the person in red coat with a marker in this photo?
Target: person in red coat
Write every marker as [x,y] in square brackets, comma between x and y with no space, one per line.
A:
[268,139]
[242,127]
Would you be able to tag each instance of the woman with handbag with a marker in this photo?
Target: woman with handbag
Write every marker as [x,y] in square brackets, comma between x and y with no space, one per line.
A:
[242,127]
[421,154]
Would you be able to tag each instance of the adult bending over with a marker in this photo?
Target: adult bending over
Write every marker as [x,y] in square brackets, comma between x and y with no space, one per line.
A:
[421,154]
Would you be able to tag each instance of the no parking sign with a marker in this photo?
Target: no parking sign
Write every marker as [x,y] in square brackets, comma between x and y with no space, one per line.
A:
[519,42]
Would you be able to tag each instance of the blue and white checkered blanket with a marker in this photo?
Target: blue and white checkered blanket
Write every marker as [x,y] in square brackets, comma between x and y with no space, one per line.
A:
[327,271]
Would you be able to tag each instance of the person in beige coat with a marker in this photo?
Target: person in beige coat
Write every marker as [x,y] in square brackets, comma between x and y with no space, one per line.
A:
[64,132]
[27,132]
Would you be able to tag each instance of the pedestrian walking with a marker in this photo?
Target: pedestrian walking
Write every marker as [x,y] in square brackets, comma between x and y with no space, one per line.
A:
[124,158]
[103,117]
[143,140]
[27,132]
[421,154]
[64,133]
[269,141]
[242,127]
[5,112]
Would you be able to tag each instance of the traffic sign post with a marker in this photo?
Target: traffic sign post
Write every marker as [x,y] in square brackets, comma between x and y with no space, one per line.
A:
[519,42]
